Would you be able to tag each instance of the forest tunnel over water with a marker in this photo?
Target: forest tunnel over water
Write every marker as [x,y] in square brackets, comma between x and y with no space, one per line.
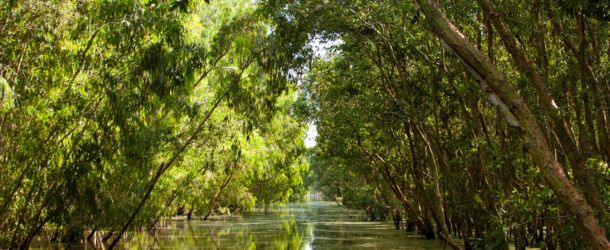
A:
[471,124]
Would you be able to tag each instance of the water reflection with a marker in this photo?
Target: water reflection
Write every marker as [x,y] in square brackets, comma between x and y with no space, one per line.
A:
[315,225]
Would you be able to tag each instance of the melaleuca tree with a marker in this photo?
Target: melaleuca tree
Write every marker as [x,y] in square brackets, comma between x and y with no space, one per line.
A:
[101,99]
[102,95]
[462,156]
[275,156]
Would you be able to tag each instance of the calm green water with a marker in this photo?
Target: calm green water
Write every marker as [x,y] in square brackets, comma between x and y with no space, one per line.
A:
[314,225]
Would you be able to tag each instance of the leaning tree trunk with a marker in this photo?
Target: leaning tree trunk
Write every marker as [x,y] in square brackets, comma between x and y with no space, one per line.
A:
[217,196]
[517,113]
[559,122]
[160,170]
[438,198]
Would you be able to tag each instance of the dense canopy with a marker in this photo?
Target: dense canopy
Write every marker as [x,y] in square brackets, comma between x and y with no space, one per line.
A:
[481,123]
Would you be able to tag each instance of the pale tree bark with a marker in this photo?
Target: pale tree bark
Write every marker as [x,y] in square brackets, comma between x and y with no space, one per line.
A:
[516,111]
[437,194]
[562,126]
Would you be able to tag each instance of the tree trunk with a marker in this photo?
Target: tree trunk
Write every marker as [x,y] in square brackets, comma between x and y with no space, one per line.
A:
[517,113]
[215,200]
[560,123]
[162,168]
[189,215]
[438,198]
[107,235]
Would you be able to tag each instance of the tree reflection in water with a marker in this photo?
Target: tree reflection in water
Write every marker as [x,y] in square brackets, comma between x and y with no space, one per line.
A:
[315,225]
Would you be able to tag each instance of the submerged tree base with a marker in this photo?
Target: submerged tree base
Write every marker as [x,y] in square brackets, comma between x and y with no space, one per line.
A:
[310,225]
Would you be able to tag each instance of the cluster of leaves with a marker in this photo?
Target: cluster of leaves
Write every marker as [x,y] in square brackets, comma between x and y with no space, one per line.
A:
[116,113]
[403,123]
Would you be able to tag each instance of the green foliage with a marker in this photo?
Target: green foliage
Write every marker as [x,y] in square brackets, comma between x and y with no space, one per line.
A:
[115,114]
[399,116]
[101,100]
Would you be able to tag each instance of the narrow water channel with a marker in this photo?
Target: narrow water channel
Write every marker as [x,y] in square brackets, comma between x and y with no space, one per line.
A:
[313,225]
